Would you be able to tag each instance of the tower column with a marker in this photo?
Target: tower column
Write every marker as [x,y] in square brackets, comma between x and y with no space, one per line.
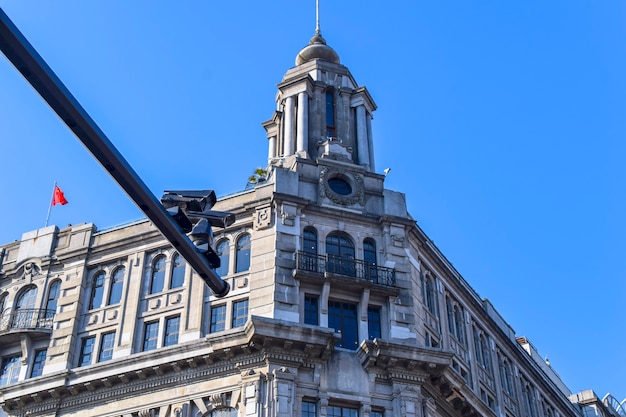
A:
[289,126]
[361,136]
[272,148]
[370,141]
[302,124]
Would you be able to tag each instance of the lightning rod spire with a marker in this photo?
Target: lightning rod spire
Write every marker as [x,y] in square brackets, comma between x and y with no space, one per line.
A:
[317,17]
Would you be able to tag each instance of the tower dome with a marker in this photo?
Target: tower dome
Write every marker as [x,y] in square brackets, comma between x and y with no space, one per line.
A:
[317,49]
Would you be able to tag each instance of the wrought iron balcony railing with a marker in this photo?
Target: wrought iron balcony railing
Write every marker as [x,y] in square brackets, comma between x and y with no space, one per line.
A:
[348,267]
[27,319]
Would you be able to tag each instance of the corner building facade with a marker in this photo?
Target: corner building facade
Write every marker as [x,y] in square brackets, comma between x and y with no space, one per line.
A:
[340,305]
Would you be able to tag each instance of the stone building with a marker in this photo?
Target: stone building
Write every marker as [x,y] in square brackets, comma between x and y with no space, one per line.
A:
[340,305]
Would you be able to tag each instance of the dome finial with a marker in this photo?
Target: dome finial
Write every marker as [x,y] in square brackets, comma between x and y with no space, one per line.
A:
[317,17]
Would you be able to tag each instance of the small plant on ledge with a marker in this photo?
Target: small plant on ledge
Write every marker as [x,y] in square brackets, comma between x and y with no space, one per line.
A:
[259,176]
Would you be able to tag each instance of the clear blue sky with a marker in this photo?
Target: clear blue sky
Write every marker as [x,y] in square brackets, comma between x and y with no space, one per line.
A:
[503,122]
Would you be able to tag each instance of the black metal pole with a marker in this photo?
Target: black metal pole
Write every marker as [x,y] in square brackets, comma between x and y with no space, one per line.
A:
[32,66]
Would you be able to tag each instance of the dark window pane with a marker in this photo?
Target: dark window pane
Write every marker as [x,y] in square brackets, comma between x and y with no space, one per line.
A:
[117,284]
[172,325]
[243,253]
[223,251]
[158,275]
[86,351]
[373,323]
[340,252]
[218,318]
[38,363]
[311,313]
[97,291]
[150,336]
[53,296]
[240,313]
[178,271]
[330,110]
[309,241]
[343,318]
[340,186]
[106,347]
[309,409]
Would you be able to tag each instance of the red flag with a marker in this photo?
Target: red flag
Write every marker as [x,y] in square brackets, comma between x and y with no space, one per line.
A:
[58,197]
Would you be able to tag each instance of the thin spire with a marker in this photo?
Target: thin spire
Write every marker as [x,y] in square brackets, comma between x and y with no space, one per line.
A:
[317,17]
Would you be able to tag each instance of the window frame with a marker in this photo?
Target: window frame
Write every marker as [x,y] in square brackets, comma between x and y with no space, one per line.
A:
[87,350]
[168,334]
[116,285]
[150,339]
[341,319]
[38,365]
[224,255]
[10,369]
[96,297]
[214,322]
[243,253]
[178,271]
[238,319]
[157,282]
[107,347]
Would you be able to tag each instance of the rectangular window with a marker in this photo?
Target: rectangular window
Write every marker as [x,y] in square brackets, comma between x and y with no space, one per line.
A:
[172,325]
[106,347]
[376,414]
[343,318]
[86,351]
[218,318]
[10,371]
[311,312]
[38,363]
[373,323]
[342,412]
[309,409]
[240,313]
[150,336]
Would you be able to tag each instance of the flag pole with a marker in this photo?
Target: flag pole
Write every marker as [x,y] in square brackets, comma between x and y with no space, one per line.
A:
[50,204]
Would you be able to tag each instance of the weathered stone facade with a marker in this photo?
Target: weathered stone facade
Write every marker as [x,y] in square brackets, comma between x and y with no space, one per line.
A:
[340,305]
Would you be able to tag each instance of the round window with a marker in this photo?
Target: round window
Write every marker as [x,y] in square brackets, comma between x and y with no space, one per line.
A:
[340,186]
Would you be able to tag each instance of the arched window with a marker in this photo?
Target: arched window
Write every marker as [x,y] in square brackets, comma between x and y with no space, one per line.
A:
[369,256]
[178,271]
[330,113]
[117,284]
[429,293]
[340,253]
[456,324]
[309,241]
[97,290]
[157,280]
[24,315]
[223,251]
[309,260]
[53,297]
[27,298]
[243,253]
[460,326]
[3,302]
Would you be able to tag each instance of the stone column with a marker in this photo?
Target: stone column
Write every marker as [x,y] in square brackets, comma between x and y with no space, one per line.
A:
[361,136]
[289,126]
[272,148]
[303,122]
[370,141]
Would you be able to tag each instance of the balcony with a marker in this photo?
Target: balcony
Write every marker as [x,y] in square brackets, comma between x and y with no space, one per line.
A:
[32,320]
[350,268]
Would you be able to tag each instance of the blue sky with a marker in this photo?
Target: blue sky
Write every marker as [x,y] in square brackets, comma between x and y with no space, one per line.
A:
[503,122]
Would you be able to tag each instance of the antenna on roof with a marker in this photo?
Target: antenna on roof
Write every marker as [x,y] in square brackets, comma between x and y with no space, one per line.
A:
[317,17]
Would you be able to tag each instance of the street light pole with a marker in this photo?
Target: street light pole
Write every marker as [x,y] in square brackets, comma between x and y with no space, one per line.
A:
[31,65]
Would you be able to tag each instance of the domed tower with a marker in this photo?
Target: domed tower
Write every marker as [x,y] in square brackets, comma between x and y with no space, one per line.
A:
[321,111]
